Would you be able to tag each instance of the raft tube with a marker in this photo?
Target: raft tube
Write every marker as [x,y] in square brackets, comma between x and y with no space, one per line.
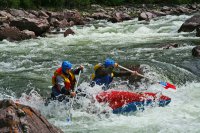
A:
[126,102]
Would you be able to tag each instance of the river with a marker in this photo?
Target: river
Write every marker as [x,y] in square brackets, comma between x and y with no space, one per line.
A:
[26,68]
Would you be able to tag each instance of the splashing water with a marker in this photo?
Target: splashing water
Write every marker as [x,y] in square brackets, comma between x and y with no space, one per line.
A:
[26,68]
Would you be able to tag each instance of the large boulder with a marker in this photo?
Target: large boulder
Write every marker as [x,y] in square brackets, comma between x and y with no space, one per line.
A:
[147,16]
[190,24]
[158,13]
[119,17]
[68,32]
[39,14]
[193,6]
[18,13]
[166,9]
[3,20]
[58,15]
[18,118]
[5,16]
[198,31]
[196,51]
[14,34]
[74,16]
[183,9]
[42,14]
[100,15]
[54,22]
[64,23]
[39,26]
[30,34]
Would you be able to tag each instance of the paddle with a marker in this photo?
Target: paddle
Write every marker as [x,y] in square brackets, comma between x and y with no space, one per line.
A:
[69,118]
[166,85]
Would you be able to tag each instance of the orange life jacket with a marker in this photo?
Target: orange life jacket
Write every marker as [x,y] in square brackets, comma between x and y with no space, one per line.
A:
[68,81]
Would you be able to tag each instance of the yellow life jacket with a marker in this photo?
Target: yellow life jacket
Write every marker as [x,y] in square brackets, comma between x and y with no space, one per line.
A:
[97,66]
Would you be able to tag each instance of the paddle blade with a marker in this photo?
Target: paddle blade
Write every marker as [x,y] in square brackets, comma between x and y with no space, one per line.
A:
[167,85]
[69,117]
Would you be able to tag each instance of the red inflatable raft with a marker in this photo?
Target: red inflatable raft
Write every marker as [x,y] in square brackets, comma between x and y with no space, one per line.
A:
[125,102]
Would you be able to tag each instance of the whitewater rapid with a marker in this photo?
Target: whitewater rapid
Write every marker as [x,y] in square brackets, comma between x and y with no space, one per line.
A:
[26,68]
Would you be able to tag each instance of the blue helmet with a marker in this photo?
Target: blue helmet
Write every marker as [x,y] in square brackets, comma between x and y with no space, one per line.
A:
[109,62]
[66,65]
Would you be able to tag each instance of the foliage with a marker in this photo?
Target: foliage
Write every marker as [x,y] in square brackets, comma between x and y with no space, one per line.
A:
[110,2]
[10,3]
[83,3]
[77,3]
[52,3]
[26,3]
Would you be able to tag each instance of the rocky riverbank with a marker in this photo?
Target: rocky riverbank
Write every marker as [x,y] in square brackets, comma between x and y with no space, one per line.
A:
[18,24]
[18,118]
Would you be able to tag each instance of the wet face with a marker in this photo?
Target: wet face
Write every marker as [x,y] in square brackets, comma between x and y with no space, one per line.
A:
[67,71]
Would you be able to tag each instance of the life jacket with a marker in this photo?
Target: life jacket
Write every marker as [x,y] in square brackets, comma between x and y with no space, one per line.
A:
[68,81]
[97,66]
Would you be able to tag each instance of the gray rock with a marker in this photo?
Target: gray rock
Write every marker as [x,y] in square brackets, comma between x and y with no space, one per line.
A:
[196,51]
[74,16]
[146,16]
[198,31]
[14,34]
[190,24]
[39,26]
[68,32]
[99,15]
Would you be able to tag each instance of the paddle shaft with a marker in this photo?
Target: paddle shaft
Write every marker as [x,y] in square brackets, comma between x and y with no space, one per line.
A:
[76,87]
[132,71]
[70,115]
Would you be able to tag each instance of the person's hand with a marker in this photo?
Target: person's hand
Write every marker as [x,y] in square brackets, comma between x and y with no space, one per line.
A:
[81,68]
[73,94]
[116,65]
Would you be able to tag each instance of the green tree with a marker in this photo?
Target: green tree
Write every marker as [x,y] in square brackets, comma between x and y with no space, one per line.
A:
[110,2]
[10,3]
[77,3]
[52,3]
[82,3]
[58,3]
[14,3]
[37,3]
[26,3]
[184,1]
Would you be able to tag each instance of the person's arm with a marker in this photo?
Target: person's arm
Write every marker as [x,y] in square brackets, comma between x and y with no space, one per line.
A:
[77,70]
[122,73]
